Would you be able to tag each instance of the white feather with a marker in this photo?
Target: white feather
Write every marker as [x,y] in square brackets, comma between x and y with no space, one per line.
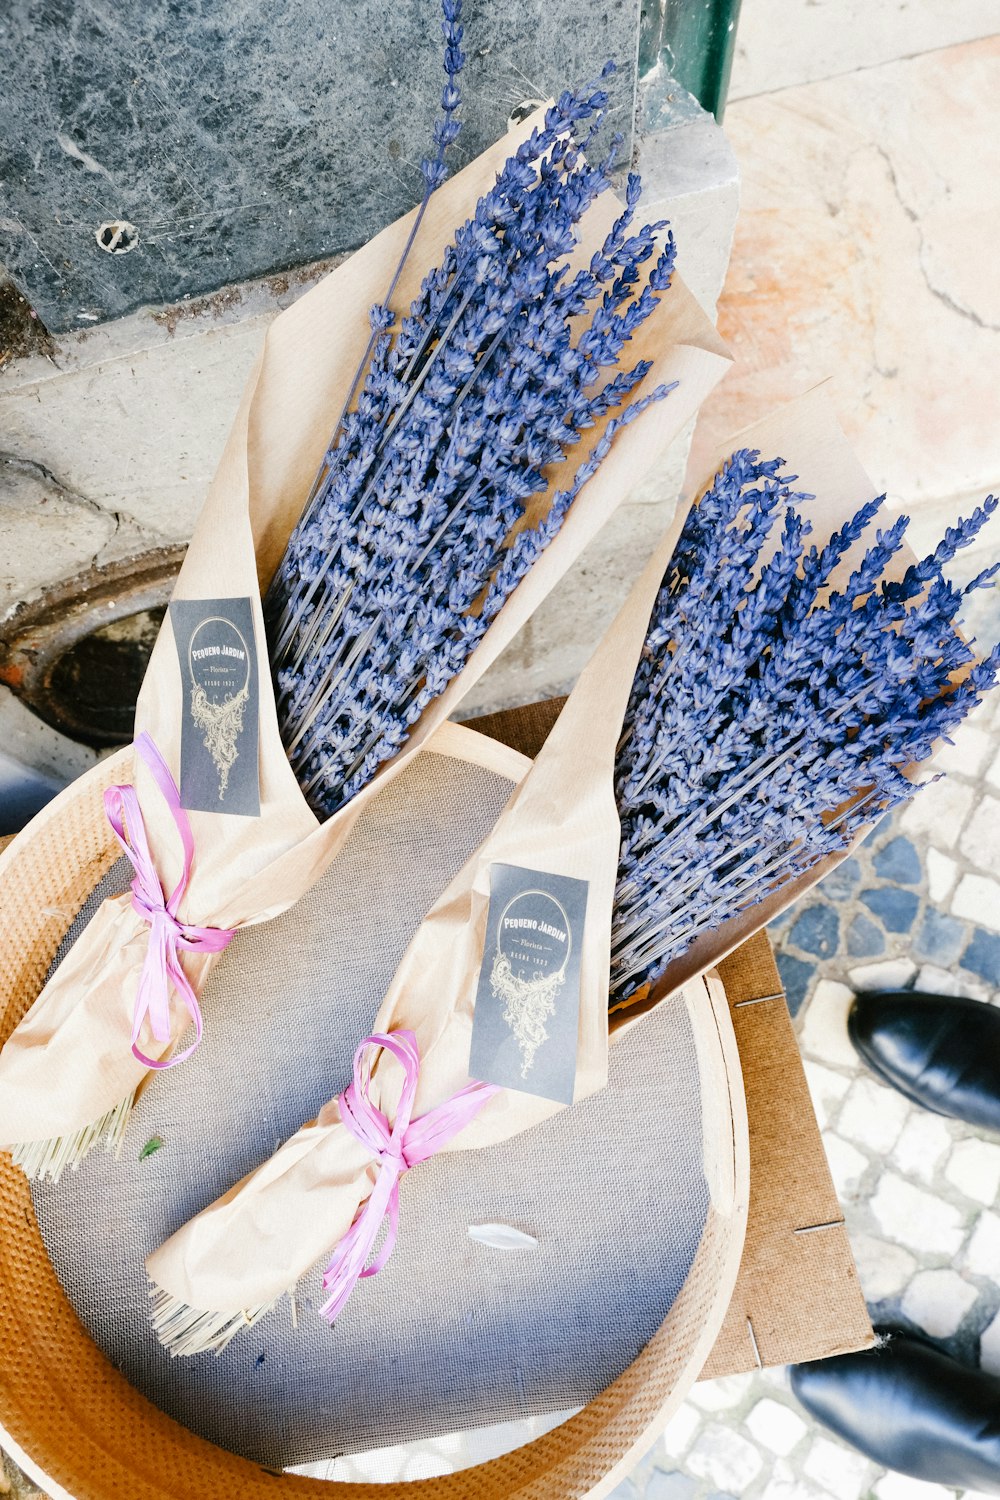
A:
[502,1237]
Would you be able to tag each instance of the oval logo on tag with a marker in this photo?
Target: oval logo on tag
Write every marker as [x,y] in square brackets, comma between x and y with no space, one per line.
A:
[534,936]
[219,660]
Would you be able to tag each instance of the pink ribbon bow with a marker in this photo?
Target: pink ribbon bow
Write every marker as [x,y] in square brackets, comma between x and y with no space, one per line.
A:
[397,1147]
[161,967]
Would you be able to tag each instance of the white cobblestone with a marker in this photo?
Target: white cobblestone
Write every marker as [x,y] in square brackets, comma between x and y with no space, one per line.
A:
[847,1164]
[922,1147]
[989,1347]
[916,1219]
[721,1394]
[672,1486]
[775,1426]
[784,1484]
[427,1465]
[977,899]
[969,752]
[902,1487]
[934,981]
[826,1089]
[985,713]
[873,1115]
[883,1268]
[937,1301]
[942,873]
[887,974]
[680,1430]
[980,842]
[982,1255]
[939,811]
[725,1457]
[993,774]
[840,1470]
[824,1029]
[974,1168]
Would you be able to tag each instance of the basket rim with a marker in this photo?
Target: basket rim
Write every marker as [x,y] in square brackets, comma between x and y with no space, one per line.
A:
[82,1431]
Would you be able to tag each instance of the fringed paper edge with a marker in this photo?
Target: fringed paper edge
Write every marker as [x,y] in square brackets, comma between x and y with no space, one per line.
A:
[48,1159]
[184,1330]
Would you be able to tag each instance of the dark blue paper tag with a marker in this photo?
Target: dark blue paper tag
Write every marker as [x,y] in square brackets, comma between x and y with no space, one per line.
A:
[527,1020]
[217,652]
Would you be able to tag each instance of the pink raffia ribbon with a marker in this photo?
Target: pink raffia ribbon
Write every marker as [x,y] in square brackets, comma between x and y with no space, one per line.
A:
[161,968]
[397,1148]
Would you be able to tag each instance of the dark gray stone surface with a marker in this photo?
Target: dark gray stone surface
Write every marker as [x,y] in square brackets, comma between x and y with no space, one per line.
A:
[817,930]
[895,909]
[796,979]
[899,863]
[941,938]
[239,140]
[864,939]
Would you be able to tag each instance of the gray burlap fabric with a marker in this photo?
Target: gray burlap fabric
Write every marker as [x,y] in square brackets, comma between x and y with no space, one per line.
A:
[452,1333]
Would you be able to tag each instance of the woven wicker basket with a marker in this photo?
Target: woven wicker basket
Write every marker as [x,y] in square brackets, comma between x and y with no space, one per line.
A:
[77,1426]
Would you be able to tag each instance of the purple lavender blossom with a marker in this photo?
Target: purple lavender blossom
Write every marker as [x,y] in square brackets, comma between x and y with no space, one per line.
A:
[771,718]
[422,523]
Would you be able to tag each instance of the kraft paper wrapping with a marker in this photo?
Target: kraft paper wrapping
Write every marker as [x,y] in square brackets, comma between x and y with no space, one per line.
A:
[69,1062]
[252,1244]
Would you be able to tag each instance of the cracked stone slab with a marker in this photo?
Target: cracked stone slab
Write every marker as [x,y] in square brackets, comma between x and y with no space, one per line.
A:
[89,422]
[778,48]
[48,529]
[36,762]
[861,198]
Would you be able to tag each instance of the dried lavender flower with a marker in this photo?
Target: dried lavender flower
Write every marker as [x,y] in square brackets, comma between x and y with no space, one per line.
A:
[771,718]
[418,530]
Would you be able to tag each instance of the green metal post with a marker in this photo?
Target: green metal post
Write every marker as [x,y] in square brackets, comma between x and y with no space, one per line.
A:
[695,40]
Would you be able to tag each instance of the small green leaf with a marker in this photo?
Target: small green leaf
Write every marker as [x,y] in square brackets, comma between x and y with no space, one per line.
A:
[153,1144]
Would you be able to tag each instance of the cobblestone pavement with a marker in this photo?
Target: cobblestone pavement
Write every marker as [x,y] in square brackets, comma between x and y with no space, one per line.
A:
[917,907]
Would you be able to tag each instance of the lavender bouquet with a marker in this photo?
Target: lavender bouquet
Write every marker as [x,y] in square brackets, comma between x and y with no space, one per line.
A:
[777,706]
[420,523]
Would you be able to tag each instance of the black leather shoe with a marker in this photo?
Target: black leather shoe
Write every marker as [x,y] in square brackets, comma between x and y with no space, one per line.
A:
[940,1051]
[910,1407]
